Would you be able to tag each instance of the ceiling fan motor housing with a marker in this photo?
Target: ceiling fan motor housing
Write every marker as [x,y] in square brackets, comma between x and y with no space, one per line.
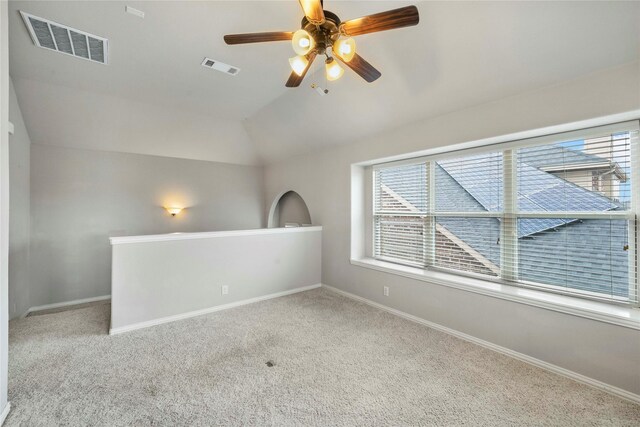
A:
[324,34]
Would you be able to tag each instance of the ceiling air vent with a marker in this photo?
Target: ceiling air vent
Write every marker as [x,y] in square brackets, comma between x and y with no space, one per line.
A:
[51,35]
[220,66]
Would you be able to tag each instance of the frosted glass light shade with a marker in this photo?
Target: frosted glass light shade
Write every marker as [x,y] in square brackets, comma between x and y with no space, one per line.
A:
[333,70]
[298,64]
[302,42]
[345,49]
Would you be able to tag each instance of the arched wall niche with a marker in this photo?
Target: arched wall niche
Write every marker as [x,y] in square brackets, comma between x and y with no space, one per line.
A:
[288,207]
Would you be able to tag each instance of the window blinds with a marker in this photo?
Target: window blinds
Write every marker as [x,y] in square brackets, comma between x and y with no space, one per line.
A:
[401,205]
[558,215]
[575,227]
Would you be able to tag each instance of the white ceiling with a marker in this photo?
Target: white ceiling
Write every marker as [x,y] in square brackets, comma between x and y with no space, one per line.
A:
[155,98]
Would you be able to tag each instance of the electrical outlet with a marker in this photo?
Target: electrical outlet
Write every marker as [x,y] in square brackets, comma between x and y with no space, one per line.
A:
[225,289]
[385,291]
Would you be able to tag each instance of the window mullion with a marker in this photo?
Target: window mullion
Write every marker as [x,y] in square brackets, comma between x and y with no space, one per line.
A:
[634,205]
[509,229]
[430,220]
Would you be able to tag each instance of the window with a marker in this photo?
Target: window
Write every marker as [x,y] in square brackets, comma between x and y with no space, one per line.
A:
[556,213]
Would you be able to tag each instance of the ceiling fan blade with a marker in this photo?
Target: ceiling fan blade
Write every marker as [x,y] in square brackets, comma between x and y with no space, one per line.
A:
[313,11]
[389,20]
[295,79]
[274,36]
[362,68]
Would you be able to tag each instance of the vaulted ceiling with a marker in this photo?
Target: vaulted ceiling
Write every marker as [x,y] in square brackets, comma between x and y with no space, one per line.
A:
[154,97]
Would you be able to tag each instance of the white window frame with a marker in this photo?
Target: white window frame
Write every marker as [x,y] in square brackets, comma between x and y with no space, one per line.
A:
[511,214]
[362,209]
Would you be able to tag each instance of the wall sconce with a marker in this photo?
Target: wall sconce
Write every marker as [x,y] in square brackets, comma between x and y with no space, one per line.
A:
[174,211]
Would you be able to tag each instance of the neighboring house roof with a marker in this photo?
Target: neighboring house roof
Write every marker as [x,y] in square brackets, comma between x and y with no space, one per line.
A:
[556,159]
[574,253]
[538,191]
[579,257]
[554,155]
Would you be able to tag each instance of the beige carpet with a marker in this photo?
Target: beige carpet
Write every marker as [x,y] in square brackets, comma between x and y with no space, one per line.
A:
[67,308]
[336,363]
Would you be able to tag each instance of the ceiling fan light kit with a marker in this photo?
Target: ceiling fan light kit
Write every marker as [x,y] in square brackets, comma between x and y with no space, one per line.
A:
[345,49]
[333,69]
[299,64]
[302,42]
[322,31]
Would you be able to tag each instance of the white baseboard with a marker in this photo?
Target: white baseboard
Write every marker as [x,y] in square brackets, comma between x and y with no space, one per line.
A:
[133,327]
[5,412]
[627,395]
[64,304]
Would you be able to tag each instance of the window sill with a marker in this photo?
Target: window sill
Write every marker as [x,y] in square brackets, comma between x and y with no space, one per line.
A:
[628,317]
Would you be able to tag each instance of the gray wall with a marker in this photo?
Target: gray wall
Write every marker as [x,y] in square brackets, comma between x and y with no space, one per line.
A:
[19,211]
[4,203]
[79,198]
[601,351]
[154,280]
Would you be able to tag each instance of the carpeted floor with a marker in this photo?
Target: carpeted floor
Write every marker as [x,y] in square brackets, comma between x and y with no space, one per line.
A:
[67,308]
[336,363]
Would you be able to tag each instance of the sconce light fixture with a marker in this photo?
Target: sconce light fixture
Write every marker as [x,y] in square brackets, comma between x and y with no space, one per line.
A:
[174,211]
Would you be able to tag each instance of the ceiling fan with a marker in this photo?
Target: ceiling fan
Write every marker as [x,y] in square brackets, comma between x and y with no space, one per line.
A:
[322,30]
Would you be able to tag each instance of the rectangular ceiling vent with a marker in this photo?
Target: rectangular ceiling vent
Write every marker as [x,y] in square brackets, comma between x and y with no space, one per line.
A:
[220,66]
[51,35]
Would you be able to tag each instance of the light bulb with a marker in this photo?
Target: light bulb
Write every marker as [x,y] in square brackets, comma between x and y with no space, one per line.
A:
[302,42]
[299,64]
[345,49]
[333,69]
